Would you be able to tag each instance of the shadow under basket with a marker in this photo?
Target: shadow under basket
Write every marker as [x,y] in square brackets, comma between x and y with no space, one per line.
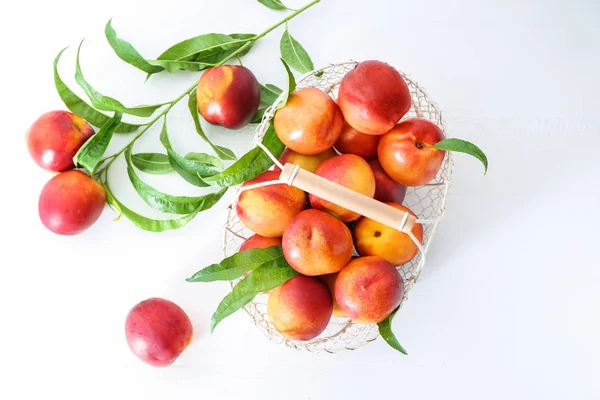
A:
[427,202]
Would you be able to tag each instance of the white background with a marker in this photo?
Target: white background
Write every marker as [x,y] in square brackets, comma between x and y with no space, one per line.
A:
[508,304]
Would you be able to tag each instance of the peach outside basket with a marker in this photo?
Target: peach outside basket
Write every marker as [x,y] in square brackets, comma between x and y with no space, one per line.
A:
[427,202]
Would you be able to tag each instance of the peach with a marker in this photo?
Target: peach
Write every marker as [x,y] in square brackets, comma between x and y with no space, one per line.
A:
[257,241]
[269,209]
[329,280]
[368,289]
[228,95]
[406,155]
[300,308]
[71,202]
[54,139]
[348,170]
[373,97]
[386,189]
[316,243]
[373,238]
[158,331]
[310,122]
[352,141]
[309,163]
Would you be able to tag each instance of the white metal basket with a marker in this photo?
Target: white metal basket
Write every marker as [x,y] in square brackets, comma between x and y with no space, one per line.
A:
[427,202]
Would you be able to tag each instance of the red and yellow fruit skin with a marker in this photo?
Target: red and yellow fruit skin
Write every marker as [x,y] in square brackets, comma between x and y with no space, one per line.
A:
[309,163]
[54,139]
[300,308]
[310,122]
[257,241]
[386,189]
[329,280]
[348,170]
[368,289]
[316,243]
[71,202]
[404,155]
[352,141]
[228,95]
[158,331]
[373,97]
[268,210]
[372,238]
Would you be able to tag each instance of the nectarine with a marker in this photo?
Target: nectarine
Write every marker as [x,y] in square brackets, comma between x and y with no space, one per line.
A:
[54,139]
[368,289]
[158,331]
[316,243]
[310,122]
[386,189]
[268,210]
[300,308]
[348,170]
[257,241]
[309,163]
[373,97]
[228,95]
[71,202]
[406,155]
[373,238]
[352,141]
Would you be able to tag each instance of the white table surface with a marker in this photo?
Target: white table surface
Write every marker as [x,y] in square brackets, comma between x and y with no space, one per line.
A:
[508,304]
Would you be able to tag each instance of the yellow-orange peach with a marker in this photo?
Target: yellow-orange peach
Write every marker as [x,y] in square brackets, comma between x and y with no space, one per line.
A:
[373,97]
[309,163]
[373,238]
[352,141]
[368,289]
[348,170]
[300,308]
[310,122]
[268,210]
[406,155]
[316,243]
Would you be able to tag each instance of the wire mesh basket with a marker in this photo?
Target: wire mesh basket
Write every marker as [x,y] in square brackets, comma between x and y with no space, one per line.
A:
[427,202]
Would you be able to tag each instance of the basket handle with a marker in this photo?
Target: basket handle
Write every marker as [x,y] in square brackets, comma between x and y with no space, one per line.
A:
[295,176]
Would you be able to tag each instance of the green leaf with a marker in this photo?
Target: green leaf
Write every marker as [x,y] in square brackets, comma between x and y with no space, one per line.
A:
[88,156]
[152,163]
[145,223]
[237,265]
[274,4]
[385,330]
[266,277]
[190,170]
[158,163]
[204,51]
[81,108]
[126,52]
[257,119]
[462,146]
[223,152]
[291,83]
[294,54]
[166,202]
[106,103]
[269,93]
[251,164]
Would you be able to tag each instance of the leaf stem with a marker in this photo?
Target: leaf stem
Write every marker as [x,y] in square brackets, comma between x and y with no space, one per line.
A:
[110,159]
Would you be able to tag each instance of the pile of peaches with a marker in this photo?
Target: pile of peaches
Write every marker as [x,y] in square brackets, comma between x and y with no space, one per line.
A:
[346,262]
